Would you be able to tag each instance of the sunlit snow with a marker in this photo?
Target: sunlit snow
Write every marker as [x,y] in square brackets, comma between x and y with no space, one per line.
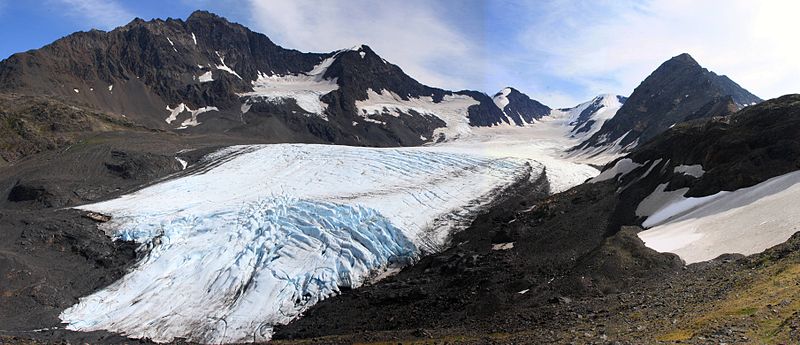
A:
[192,120]
[305,89]
[621,167]
[452,110]
[745,221]
[501,101]
[223,67]
[262,232]
[691,170]
[206,77]
[609,105]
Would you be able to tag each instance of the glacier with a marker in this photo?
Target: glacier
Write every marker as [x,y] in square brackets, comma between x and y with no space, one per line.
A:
[251,236]
[231,275]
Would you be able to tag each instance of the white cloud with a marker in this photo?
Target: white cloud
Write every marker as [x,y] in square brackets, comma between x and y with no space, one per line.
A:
[102,14]
[612,46]
[561,52]
[410,34]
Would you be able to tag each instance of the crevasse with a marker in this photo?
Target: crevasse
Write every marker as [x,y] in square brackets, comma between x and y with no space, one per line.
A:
[254,235]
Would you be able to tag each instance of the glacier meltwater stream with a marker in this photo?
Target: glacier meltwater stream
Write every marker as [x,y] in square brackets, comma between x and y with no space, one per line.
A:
[254,235]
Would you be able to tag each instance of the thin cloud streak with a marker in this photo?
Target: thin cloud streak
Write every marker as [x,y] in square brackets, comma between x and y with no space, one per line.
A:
[612,46]
[557,51]
[104,14]
[410,34]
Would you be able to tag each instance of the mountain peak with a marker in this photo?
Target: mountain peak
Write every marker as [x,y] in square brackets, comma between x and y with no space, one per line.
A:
[684,58]
[678,90]
[204,15]
[518,106]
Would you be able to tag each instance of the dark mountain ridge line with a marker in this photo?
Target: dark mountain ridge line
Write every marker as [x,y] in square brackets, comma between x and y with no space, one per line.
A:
[147,66]
[678,90]
[737,151]
[144,67]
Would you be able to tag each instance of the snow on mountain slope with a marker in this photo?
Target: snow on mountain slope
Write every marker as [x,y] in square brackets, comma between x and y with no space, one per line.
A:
[517,108]
[452,109]
[501,98]
[587,118]
[306,88]
[501,101]
[257,234]
[193,114]
[745,221]
[547,140]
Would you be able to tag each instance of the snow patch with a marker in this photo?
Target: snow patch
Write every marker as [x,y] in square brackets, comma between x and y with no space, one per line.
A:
[194,38]
[174,112]
[172,44]
[621,168]
[363,54]
[452,110]
[501,98]
[245,107]
[110,87]
[501,101]
[190,122]
[206,77]
[745,221]
[223,67]
[657,200]
[503,246]
[691,170]
[306,89]
[650,167]
[609,104]
[183,163]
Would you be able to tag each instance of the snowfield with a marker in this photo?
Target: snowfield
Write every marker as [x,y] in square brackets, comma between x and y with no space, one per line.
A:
[609,105]
[254,235]
[453,110]
[306,89]
[744,221]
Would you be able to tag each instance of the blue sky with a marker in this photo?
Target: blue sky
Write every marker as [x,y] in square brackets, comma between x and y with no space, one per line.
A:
[559,52]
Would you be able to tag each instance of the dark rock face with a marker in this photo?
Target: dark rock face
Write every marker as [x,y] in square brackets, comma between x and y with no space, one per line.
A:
[737,151]
[678,90]
[520,108]
[49,259]
[142,68]
[27,192]
[32,124]
[136,165]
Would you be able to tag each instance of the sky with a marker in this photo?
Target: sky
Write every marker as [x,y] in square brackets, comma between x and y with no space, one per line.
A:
[556,51]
